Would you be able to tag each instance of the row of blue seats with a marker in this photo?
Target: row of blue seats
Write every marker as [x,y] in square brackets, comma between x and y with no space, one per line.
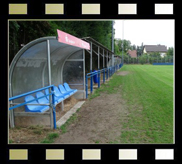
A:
[60,93]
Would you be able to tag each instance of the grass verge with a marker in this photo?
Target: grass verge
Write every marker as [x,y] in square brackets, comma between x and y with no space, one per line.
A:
[148,91]
[50,138]
[69,121]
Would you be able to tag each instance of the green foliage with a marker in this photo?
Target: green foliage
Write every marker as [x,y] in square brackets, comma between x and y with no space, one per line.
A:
[69,121]
[143,58]
[11,141]
[37,131]
[155,54]
[124,45]
[50,138]
[97,141]
[170,51]
[22,32]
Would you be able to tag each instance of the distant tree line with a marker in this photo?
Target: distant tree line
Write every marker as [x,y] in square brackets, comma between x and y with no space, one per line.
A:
[122,46]
[22,32]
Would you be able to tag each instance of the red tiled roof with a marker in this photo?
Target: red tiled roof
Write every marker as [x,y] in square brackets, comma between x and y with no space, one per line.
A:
[132,53]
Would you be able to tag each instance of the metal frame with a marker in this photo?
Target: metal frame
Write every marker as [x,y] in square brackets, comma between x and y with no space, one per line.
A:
[62,69]
[109,70]
[84,96]
[51,104]
[47,40]
[12,65]
[49,80]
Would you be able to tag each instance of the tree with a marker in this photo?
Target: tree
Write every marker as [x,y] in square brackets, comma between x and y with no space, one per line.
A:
[133,47]
[22,32]
[124,45]
[140,50]
[170,51]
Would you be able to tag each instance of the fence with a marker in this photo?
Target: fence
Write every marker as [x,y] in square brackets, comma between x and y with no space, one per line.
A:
[147,59]
[107,73]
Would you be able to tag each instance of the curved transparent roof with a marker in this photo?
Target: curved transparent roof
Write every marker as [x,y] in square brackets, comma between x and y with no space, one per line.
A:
[29,70]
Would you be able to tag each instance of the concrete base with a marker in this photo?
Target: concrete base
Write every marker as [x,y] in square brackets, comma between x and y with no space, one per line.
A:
[73,110]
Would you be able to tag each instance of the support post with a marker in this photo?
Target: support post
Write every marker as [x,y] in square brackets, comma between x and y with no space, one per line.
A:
[91,78]
[49,80]
[11,117]
[104,76]
[62,105]
[54,108]
[84,96]
[122,41]
[103,59]
[86,86]
[11,112]
[98,67]
[107,59]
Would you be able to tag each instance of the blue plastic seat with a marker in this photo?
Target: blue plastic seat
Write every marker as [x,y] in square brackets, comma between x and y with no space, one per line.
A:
[95,77]
[66,86]
[59,94]
[42,100]
[63,91]
[34,108]
[56,98]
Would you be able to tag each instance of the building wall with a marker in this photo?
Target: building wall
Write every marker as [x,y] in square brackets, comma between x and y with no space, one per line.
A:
[163,54]
[144,50]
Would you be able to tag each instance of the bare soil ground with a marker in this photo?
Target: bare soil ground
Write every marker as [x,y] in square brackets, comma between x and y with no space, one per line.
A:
[123,73]
[99,121]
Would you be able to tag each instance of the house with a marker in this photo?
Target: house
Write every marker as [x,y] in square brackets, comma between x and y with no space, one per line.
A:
[132,53]
[155,48]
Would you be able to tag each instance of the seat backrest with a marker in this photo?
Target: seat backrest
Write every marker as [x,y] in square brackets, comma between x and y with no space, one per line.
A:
[42,100]
[67,87]
[62,89]
[47,92]
[57,92]
[29,98]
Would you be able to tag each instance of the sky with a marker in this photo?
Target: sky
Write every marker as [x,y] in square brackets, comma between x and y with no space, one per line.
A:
[150,32]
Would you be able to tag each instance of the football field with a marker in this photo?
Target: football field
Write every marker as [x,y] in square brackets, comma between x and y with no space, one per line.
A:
[148,90]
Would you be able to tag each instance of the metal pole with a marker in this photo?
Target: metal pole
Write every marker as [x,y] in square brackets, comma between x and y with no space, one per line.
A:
[11,112]
[91,78]
[112,36]
[107,59]
[103,59]
[54,108]
[98,66]
[86,86]
[107,63]
[112,44]
[84,96]
[91,57]
[49,80]
[122,41]
[98,57]
[103,67]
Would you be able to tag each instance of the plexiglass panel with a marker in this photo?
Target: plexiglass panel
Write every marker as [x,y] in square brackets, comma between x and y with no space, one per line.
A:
[73,72]
[77,55]
[27,74]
